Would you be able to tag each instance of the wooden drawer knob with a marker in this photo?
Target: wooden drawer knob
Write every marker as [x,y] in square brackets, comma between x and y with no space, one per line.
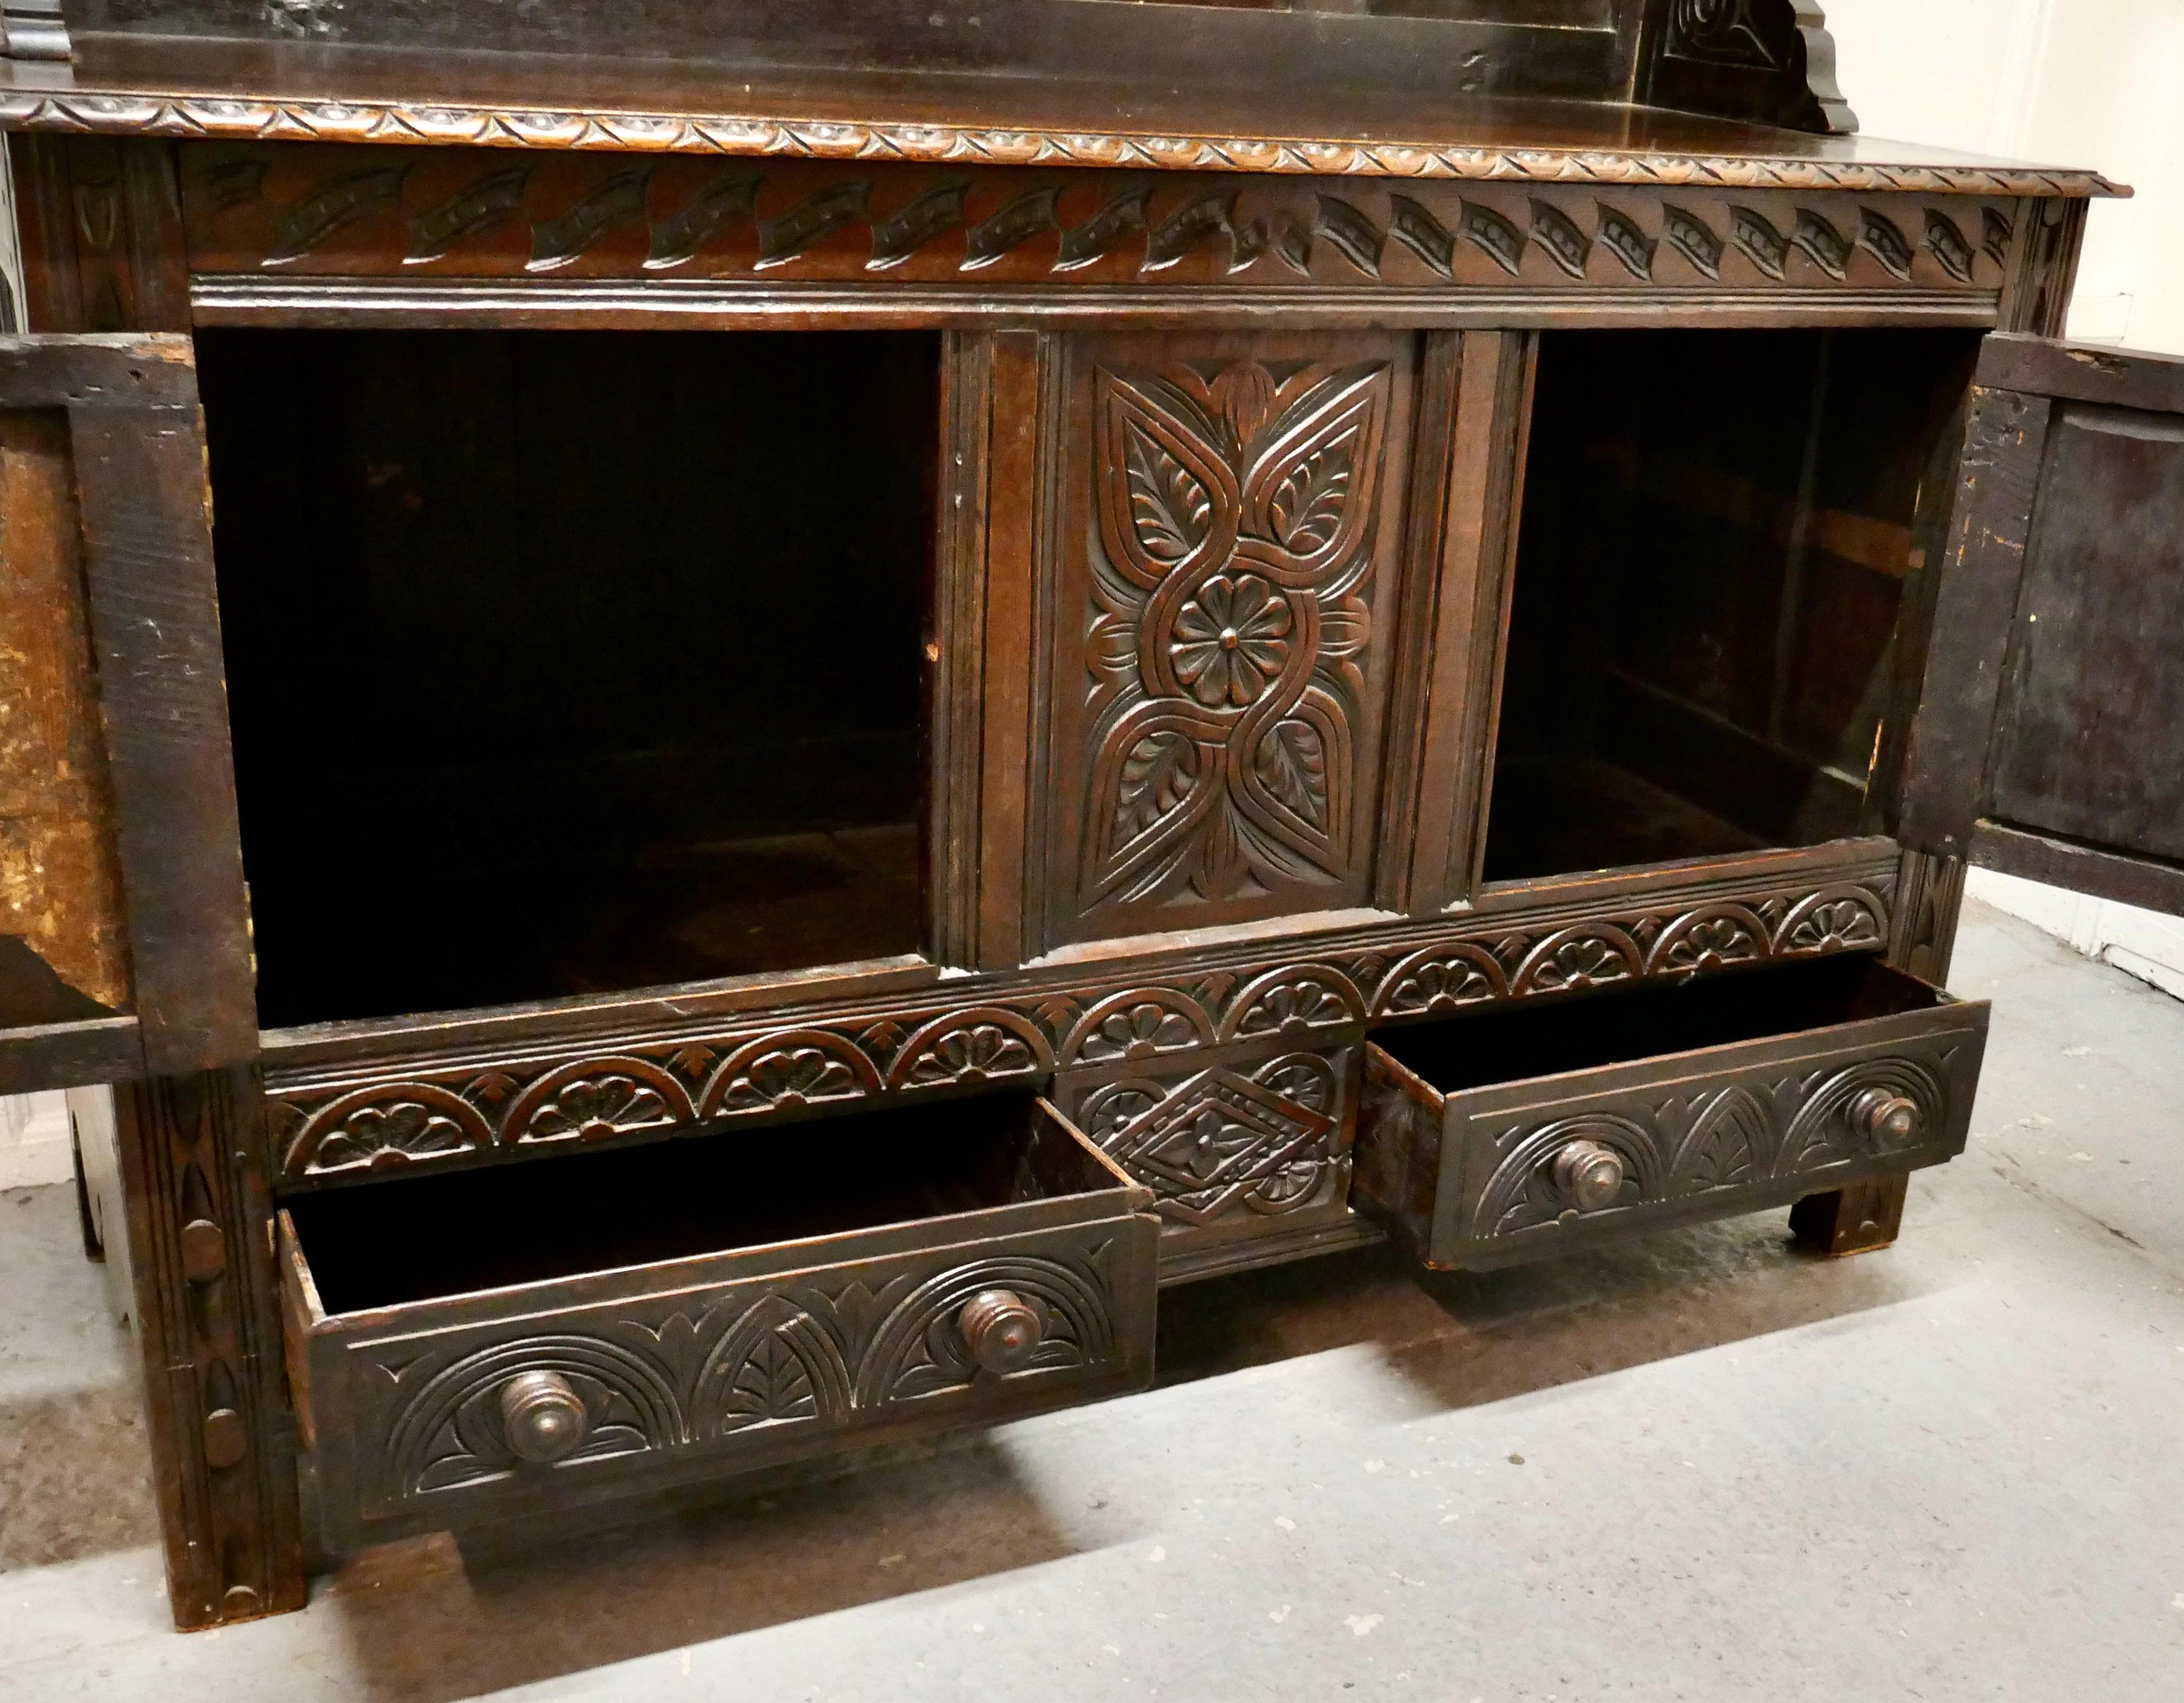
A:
[1589,1175]
[1887,1119]
[545,1419]
[1000,1329]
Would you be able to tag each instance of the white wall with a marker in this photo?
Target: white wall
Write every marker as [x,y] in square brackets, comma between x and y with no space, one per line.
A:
[34,1140]
[2096,83]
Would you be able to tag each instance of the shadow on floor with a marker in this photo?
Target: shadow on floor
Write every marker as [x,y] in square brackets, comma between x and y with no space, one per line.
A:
[435,1620]
[1466,1338]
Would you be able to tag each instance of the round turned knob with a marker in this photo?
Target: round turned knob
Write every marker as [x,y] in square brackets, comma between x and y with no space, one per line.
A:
[545,1420]
[1589,1175]
[1000,1329]
[1882,1117]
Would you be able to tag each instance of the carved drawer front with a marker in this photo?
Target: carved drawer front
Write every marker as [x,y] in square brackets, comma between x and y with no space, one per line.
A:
[492,1346]
[1517,1134]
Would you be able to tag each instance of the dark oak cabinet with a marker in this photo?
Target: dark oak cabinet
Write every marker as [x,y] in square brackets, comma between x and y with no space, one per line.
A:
[724,770]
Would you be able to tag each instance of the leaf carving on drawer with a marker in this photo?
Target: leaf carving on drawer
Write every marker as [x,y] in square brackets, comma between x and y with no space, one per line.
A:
[449,1434]
[1821,1134]
[1710,939]
[1440,979]
[919,1351]
[775,1365]
[788,1071]
[1236,512]
[1731,1141]
[985,1044]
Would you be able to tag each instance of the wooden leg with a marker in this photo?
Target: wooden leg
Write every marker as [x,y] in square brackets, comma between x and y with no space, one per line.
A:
[1857,1219]
[215,1395]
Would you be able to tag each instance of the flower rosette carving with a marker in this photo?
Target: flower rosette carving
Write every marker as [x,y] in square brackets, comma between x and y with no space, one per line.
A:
[788,1072]
[1236,514]
[1836,920]
[385,1128]
[986,1044]
[596,1100]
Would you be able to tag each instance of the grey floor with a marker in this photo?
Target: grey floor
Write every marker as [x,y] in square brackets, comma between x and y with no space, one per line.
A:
[1707,1467]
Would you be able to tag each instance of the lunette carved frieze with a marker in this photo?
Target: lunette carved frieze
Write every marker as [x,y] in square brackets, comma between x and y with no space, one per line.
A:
[341,212]
[794,1063]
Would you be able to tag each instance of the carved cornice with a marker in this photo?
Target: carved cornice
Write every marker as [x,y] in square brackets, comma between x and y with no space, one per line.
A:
[198,116]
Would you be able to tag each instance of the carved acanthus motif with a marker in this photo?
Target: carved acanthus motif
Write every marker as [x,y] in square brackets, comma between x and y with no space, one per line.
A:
[1237,510]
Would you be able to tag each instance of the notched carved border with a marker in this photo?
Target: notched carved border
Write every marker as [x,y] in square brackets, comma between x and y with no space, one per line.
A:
[248,118]
[329,212]
[461,1115]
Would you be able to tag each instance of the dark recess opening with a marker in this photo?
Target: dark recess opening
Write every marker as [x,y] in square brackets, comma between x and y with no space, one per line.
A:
[602,1211]
[569,663]
[1715,554]
[1517,1043]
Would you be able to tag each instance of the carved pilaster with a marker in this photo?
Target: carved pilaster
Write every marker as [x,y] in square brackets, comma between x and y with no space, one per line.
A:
[1930,894]
[202,1262]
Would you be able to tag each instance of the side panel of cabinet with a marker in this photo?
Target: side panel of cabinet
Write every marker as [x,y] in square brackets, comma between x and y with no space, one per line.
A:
[1224,583]
[124,930]
[2050,735]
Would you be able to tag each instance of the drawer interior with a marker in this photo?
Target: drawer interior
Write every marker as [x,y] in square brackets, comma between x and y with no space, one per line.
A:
[391,1243]
[1515,1044]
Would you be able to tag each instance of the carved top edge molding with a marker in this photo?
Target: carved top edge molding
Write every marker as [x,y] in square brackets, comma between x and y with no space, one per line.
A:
[202,117]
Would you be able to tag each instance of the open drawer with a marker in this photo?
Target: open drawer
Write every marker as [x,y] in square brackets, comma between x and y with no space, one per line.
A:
[1532,1129]
[497,1344]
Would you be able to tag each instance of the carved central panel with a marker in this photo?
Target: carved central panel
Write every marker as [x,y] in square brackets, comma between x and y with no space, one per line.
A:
[1225,664]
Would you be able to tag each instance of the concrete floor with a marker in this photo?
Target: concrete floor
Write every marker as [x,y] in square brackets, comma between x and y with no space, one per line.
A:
[1705,1467]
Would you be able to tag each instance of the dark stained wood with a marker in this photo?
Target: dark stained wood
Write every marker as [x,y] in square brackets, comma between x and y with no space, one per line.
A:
[1861,1219]
[1782,1077]
[201,1257]
[1475,410]
[1232,518]
[2048,735]
[1088,685]
[842,1287]
[2155,886]
[155,629]
[37,1057]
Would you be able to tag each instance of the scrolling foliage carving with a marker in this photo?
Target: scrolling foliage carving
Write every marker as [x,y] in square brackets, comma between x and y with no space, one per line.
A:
[1236,513]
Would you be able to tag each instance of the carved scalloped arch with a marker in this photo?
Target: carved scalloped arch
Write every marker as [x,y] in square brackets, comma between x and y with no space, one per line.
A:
[802,1067]
[986,1043]
[1144,1037]
[647,1389]
[673,1098]
[330,1126]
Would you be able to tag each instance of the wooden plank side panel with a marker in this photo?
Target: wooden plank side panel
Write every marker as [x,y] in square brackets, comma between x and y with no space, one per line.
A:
[1975,603]
[2090,740]
[155,630]
[64,950]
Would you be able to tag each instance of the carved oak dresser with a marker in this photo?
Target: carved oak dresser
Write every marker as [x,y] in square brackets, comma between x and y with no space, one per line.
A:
[736,717]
